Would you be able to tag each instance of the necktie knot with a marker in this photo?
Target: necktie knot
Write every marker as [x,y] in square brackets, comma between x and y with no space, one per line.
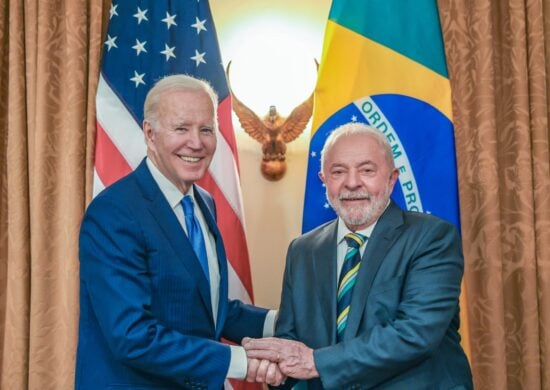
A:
[355,240]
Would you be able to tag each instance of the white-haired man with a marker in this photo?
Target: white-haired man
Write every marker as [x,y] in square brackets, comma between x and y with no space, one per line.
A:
[154,284]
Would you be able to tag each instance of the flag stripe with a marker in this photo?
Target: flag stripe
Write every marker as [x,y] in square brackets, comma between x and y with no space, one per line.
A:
[110,165]
[116,121]
[224,170]
[392,72]
[226,128]
[232,231]
[236,288]
[97,185]
[392,28]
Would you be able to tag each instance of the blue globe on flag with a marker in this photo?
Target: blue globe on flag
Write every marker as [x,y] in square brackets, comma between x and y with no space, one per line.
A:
[422,142]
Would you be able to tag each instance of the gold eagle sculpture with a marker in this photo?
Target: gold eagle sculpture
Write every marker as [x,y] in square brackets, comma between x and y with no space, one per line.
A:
[273,131]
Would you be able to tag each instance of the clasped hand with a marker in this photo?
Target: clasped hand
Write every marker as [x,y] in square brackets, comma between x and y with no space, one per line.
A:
[271,360]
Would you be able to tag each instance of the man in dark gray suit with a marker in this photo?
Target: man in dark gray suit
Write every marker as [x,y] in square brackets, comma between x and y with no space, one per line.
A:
[370,300]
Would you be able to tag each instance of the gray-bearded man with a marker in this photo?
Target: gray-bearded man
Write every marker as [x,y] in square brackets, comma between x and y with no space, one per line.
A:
[370,300]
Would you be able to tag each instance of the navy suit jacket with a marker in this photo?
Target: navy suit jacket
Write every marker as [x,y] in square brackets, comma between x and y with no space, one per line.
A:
[145,311]
[402,330]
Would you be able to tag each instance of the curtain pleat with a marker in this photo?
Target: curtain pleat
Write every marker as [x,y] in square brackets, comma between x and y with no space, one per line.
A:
[498,66]
[49,67]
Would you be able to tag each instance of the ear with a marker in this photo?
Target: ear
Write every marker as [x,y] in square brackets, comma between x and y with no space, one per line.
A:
[393,177]
[322,177]
[149,134]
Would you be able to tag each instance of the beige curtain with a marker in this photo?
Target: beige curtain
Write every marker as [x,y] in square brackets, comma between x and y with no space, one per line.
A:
[499,61]
[49,63]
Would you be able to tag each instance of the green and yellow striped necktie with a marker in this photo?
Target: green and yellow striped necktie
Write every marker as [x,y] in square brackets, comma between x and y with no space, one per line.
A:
[348,277]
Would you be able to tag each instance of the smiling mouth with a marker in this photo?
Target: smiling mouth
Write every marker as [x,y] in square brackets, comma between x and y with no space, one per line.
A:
[354,199]
[190,159]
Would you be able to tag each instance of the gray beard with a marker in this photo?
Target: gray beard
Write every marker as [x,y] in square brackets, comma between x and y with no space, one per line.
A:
[360,215]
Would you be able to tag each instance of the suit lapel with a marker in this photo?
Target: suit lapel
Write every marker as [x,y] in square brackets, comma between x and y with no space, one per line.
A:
[384,235]
[324,266]
[169,224]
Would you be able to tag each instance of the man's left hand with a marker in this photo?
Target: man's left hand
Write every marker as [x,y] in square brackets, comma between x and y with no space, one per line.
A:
[295,359]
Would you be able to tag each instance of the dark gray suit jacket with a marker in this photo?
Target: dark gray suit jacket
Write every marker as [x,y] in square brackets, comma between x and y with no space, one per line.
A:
[402,330]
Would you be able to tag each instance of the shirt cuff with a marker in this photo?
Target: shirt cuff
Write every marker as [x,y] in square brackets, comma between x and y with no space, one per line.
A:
[238,364]
[269,323]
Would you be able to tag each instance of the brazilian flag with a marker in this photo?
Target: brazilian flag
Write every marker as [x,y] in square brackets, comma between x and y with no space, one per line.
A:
[383,64]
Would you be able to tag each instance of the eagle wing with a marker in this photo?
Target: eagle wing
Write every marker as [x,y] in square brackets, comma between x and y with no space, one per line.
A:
[297,120]
[250,122]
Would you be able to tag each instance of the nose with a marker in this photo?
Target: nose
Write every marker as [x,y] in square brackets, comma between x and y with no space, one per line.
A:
[194,140]
[352,180]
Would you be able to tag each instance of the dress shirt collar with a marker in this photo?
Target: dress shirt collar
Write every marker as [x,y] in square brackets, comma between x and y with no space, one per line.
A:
[343,230]
[172,194]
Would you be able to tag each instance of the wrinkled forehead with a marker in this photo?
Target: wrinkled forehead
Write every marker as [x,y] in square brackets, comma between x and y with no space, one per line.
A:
[355,145]
[185,101]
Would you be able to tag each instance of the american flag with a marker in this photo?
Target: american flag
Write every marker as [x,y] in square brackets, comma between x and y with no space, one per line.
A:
[147,40]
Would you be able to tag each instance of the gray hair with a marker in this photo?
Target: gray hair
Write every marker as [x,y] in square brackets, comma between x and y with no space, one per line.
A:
[178,82]
[353,128]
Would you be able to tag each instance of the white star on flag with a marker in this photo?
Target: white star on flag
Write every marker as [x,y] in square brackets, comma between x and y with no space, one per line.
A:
[112,11]
[168,51]
[110,42]
[140,15]
[353,118]
[198,58]
[139,47]
[326,205]
[199,25]
[138,78]
[169,20]
[313,154]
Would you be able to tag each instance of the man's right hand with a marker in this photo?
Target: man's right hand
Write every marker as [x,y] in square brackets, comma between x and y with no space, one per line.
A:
[264,371]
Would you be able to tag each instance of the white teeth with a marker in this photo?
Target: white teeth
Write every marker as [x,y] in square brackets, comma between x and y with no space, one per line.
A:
[190,159]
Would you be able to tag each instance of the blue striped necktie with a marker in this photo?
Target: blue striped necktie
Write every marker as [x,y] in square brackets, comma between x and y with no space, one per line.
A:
[194,233]
[348,277]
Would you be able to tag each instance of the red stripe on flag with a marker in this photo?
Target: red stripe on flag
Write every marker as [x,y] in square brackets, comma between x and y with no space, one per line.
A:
[230,225]
[109,163]
[226,127]
[242,385]
[232,232]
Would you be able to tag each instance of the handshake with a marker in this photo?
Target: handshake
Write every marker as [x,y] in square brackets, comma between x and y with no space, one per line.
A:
[272,360]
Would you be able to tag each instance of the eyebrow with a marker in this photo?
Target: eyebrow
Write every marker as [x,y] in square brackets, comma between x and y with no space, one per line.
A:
[184,123]
[368,162]
[344,165]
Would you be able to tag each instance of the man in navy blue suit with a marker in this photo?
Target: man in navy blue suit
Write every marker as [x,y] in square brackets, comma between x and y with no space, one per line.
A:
[370,300]
[154,286]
